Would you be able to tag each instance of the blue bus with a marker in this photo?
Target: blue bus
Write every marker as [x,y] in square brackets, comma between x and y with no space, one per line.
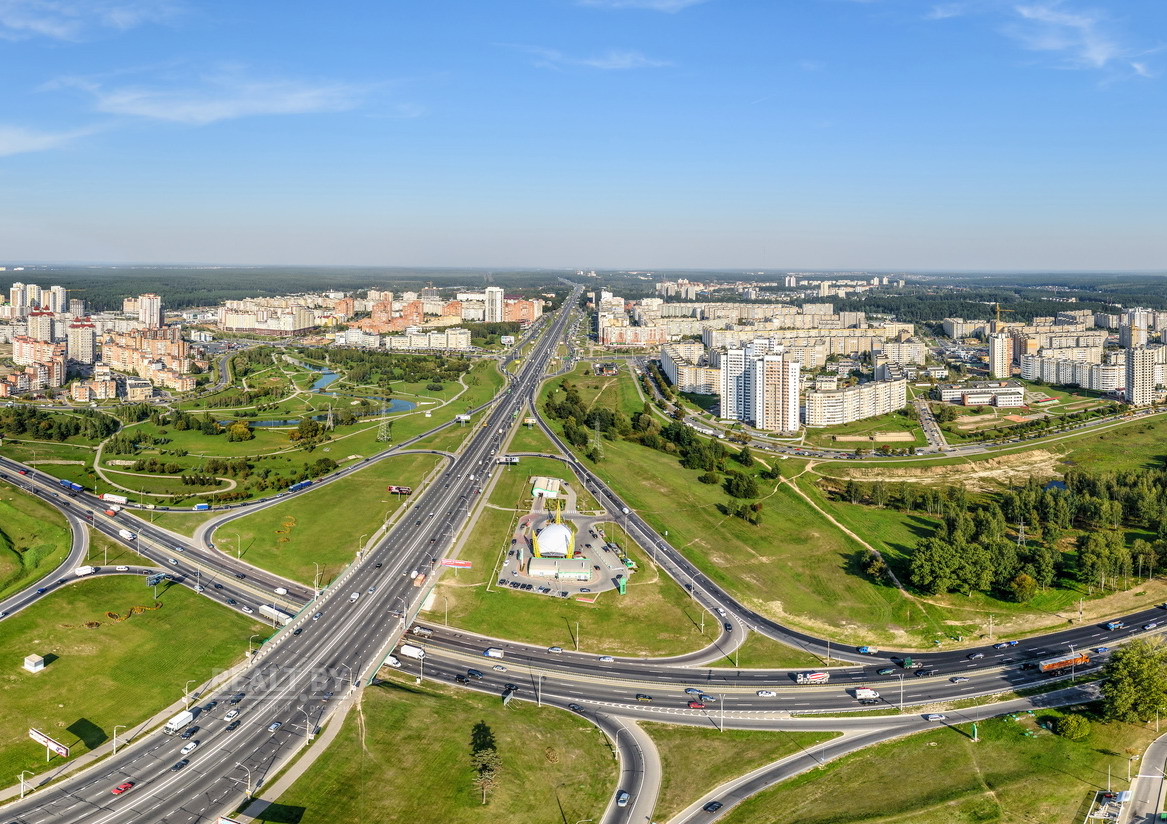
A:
[299,486]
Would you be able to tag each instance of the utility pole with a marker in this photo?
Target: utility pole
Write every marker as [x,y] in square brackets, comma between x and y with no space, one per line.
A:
[577,635]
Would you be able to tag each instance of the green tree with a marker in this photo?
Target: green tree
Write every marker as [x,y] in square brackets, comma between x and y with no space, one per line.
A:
[745,457]
[1022,588]
[1073,726]
[1134,686]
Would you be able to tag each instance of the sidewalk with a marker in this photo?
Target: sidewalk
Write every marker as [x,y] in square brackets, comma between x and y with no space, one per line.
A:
[1147,790]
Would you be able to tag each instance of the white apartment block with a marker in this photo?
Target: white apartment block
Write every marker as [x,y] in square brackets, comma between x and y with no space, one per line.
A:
[1000,356]
[1098,377]
[684,365]
[833,407]
[760,388]
[1139,385]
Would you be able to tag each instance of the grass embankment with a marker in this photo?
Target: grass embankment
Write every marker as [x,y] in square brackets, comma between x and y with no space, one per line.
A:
[942,777]
[105,671]
[656,617]
[868,428]
[695,760]
[325,525]
[760,652]
[184,523]
[404,756]
[532,439]
[34,539]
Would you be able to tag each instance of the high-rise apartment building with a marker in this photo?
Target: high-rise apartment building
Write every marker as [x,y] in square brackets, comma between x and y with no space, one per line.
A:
[32,295]
[77,307]
[1000,356]
[57,300]
[1140,376]
[1132,335]
[150,310]
[81,341]
[17,299]
[735,395]
[494,304]
[774,393]
[40,325]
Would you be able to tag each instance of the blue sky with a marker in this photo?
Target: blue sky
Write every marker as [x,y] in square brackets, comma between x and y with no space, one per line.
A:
[775,134]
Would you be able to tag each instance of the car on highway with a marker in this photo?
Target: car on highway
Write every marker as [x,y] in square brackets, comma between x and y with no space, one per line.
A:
[511,687]
[575,708]
[42,590]
[1102,650]
[234,725]
[189,733]
[189,748]
[125,786]
[297,630]
[766,693]
[959,679]
[607,659]
[230,714]
[885,671]
[935,716]
[696,705]
[461,679]
[973,656]
[1151,625]
[232,602]
[692,691]
[180,765]
[247,609]
[555,650]
[317,616]
[728,626]
[640,696]
[122,568]
[172,561]
[622,798]
[393,661]
[713,806]
[1005,645]
[475,674]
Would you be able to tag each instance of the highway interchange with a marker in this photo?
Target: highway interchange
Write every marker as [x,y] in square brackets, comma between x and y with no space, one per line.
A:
[338,641]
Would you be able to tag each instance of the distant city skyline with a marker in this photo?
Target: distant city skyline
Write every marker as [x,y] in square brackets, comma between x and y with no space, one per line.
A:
[877,135]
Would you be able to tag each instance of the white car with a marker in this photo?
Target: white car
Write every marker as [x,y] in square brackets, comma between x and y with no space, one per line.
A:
[607,659]
[189,748]
[231,714]
[555,650]
[122,568]
[499,668]
[247,609]
[935,716]
[766,693]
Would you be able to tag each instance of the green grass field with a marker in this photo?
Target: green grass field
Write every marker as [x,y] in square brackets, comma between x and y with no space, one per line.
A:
[404,757]
[695,760]
[184,523]
[759,652]
[34,539]
[869,426]
[942,777]
[532,439]
[656,617]
[324,526]
[117,672]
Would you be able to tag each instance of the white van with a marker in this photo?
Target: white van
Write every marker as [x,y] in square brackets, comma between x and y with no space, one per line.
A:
[352,598]
[281,591]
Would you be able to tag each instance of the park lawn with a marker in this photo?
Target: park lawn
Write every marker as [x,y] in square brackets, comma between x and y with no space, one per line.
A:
[164,485]
[793,567]
[943,777]
[184,523]
[325,525]
[1136,444]
[404,756]
[532,439]
[105,551]
[34,539]
[694,760]
[656,617]
[118,672]
[44,454]
[452,437]
[760,652]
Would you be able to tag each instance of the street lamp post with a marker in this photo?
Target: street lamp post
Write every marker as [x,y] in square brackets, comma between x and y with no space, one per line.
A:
[361,544]
[186,692]
[115,736]
[446,602]
[249,648]
[350,672]
[21,777]
[248,771]
[238,545]
[901,677]
[307,726]
[538,694]
[316,582]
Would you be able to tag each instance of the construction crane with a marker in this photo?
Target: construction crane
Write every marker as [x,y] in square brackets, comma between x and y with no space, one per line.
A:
[999,310]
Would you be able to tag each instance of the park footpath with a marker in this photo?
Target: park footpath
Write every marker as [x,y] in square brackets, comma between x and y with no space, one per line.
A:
[134,738]
[1147,791]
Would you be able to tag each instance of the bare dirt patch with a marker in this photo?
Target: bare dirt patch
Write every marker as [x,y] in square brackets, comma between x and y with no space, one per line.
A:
[975,475]
[876,437]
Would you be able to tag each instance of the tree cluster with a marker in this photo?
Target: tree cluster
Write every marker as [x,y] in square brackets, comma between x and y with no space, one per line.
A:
[36,424]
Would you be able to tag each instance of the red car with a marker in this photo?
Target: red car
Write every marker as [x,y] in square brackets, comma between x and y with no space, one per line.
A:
[125,786]
[696,705]
[22,471]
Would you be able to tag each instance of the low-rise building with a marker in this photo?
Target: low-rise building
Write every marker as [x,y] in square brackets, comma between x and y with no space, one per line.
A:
[833,407]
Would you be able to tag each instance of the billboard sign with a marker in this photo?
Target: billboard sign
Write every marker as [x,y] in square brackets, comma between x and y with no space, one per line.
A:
[48,743]
[451,562]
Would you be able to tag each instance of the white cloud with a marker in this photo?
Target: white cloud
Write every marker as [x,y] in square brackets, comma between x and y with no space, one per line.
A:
[945,11]
[224,96]
[1079,37]
[652,5]
[75,19]
[16,140]
[611,60]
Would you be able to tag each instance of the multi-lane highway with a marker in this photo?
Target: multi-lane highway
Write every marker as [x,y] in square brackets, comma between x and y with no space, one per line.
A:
[295,680]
